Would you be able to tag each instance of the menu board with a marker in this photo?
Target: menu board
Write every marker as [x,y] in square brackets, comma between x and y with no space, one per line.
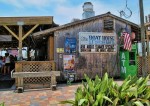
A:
[97,42]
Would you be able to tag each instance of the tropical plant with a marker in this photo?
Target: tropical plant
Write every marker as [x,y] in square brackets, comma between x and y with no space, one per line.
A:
[106,92]
[2,104]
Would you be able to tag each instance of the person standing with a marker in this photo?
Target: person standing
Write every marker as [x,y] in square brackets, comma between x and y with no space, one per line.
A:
[1,64]
[7,64]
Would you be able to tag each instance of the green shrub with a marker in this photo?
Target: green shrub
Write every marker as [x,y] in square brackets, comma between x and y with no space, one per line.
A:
[106,92]
[2,104]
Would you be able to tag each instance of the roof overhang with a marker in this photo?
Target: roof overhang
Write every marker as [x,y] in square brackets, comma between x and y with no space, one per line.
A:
[26,20]
[28,23]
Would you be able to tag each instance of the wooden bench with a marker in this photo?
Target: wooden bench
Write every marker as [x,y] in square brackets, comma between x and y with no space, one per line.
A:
[20,75]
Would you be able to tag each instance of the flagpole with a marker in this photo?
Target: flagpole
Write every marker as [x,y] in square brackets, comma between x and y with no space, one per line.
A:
[142,38]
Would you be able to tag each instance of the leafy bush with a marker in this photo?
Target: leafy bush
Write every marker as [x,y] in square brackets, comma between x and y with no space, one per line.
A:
[2,104]
[105,92]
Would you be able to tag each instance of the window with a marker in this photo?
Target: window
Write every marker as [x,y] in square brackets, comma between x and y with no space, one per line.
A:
[131,58]
[108,24]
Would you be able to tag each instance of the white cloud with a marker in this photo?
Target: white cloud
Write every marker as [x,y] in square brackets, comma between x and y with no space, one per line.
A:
[62,10]
[34,3]
[66,14]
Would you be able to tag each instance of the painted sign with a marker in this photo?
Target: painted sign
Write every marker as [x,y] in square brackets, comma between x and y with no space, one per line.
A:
[95,38]
[5,38]
[69,62]
[123,68]
[70,45]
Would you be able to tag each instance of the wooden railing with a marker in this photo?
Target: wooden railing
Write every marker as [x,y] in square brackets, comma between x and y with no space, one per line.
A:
[34,66]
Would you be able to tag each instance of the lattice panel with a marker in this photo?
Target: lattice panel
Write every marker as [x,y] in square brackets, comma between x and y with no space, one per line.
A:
[37,80]
[139,65]
[36,67]
[148,65]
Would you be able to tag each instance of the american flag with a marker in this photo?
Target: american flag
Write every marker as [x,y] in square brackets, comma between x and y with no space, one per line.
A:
[127,41]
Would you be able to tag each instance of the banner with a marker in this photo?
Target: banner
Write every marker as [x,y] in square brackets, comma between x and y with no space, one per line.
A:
[13,52]
[70,45]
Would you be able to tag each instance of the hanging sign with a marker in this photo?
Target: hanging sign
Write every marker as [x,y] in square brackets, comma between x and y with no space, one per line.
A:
[5,38]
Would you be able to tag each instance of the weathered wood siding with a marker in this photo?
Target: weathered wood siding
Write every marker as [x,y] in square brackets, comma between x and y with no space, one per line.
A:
[96,63]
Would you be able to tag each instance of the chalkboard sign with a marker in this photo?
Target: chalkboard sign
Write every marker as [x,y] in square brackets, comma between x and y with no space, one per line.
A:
[108,24]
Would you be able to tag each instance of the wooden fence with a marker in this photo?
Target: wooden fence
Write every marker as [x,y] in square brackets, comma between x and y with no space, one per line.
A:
[139,65]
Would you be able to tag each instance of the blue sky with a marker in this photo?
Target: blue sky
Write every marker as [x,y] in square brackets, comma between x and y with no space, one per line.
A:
[65,10]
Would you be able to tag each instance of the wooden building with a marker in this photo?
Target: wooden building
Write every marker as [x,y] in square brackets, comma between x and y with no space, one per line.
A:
[89,59]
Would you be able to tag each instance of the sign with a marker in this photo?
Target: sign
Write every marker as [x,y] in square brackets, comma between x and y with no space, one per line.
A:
[123,68]
[70,45]
[5,38]
[69,62]
[97,42]
[60,50]
[20,23]
[95,38]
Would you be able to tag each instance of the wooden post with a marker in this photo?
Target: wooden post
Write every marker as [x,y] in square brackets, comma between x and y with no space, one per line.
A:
[51,48]
[20,42]
[143,38]
[53,82]
[147,45]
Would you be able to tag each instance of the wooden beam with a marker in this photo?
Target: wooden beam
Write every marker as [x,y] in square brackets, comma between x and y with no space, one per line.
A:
[35,74]
[147,33]
[26,20]
[13,34]
[31,30]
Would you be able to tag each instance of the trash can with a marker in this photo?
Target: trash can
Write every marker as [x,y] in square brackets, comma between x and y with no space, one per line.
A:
[128,62]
